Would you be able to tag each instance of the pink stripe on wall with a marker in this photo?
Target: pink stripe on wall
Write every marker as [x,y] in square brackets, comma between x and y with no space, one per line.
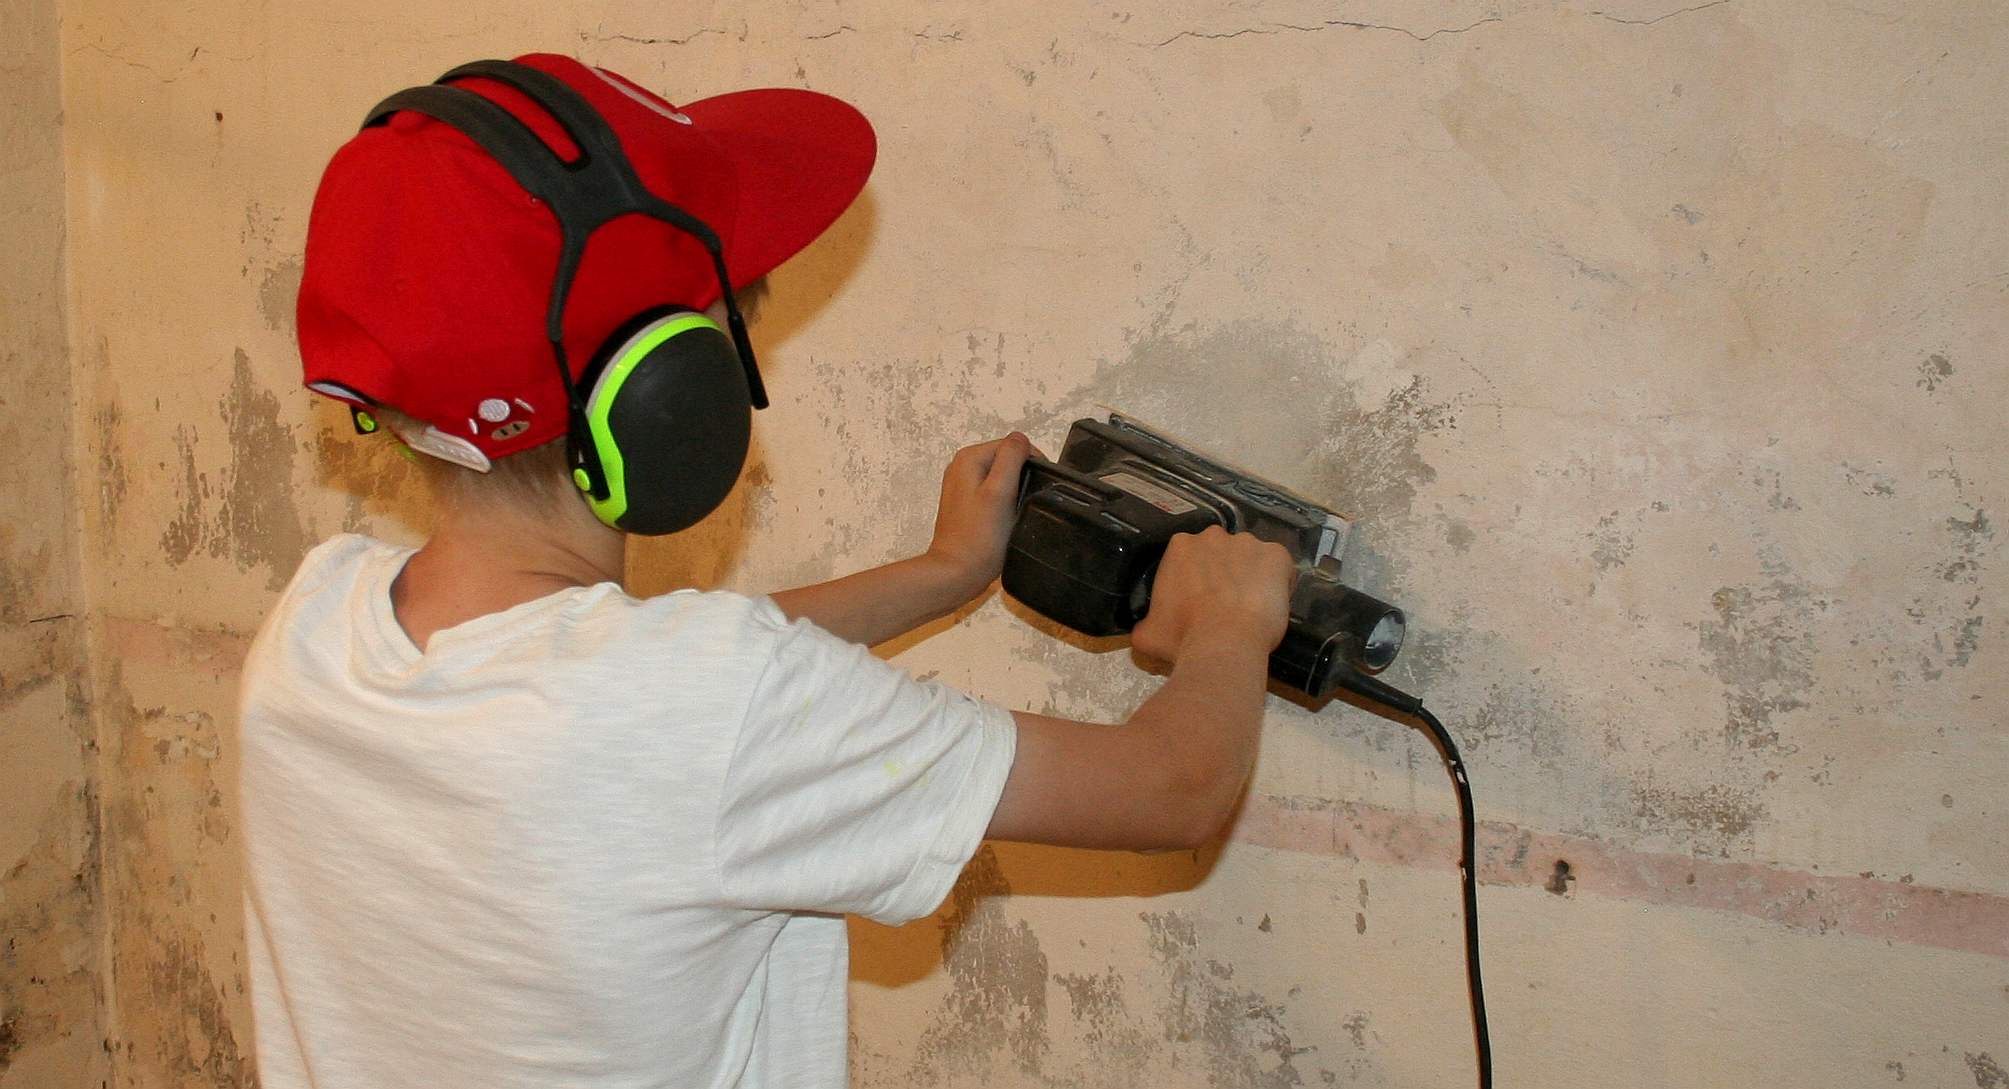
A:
[1969,922]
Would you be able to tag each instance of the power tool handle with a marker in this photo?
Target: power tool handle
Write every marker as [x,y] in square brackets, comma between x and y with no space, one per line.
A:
[1037,467]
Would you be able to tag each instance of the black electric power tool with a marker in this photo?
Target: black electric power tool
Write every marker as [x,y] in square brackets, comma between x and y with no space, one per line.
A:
[1093,525]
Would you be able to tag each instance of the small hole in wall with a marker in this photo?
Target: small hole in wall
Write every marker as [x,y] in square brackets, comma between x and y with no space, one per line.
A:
[1559,881]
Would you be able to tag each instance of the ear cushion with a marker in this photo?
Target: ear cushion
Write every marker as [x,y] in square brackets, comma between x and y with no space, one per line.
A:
[670,418]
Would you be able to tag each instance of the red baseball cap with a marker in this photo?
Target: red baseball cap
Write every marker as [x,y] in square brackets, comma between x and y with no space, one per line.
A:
[429,269]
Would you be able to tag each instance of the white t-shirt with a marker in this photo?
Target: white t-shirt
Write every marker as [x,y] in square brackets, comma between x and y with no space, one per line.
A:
[587,841]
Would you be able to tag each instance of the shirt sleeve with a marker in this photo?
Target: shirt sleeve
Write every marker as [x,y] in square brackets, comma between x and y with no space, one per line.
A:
[853,787]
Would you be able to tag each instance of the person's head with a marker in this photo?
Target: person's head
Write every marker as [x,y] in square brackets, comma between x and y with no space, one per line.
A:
[475,234]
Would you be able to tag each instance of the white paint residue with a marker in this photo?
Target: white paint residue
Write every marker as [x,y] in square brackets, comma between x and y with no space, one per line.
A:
[1375,374]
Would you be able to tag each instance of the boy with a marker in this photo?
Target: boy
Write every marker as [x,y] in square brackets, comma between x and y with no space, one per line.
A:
[507,825]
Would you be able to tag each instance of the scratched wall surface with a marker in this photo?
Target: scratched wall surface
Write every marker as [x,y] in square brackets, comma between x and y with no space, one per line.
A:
[1657,347]
[51,922]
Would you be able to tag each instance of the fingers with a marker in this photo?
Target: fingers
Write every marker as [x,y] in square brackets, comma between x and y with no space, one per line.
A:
[1008,456]
[1238,581]
[989,463]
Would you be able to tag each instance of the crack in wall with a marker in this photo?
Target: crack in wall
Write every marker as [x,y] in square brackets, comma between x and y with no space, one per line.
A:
[1328,24]
[1658,18]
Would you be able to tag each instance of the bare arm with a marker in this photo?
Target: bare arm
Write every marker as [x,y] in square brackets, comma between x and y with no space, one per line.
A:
[875,605]
[1172,773]
[979,490]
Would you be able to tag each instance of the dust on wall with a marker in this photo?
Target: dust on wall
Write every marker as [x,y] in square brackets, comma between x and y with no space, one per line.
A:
[1656,346]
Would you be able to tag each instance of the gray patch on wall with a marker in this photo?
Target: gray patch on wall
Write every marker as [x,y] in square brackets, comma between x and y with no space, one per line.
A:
[258,512]
[1275,399]
[1934,371]
[48,910]
[256,523]
[1612,545]
[1715,818]
[1114,1038]
[998,975]
[1241,1033]
[1869,482]
[1086,687]
[19,580]
[112,477]
[1970,536]
[278,293]
[184,1024]
[177,1021]
[1970,541]
[1522,715]
[1429,657]
[185,531]
[1762,648]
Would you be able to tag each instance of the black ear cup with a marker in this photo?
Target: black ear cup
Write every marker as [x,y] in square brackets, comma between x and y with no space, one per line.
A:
[670,415]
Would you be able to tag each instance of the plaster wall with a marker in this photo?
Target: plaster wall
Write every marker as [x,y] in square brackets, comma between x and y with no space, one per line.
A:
[1656,347]
[51,923]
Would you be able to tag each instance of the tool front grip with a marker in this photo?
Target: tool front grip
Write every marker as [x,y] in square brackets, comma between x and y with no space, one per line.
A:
[1336,636]
[1083,551]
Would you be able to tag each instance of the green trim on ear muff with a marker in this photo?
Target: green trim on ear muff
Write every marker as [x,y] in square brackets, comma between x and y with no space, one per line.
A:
[601,404]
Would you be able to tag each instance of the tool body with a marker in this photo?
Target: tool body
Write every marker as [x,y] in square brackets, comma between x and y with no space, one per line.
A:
[1094,523]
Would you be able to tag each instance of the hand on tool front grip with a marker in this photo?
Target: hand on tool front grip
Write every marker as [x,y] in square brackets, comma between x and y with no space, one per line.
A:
[979,503]
[1216,585]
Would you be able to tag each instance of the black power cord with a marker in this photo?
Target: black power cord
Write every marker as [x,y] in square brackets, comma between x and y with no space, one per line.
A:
[1390,698]
[1468,873]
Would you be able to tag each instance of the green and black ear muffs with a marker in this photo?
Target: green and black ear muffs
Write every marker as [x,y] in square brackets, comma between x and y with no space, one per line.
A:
[660,419]
[665,401]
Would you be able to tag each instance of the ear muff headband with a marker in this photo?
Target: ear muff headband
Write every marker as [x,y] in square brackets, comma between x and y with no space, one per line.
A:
[607,390]
[583,194]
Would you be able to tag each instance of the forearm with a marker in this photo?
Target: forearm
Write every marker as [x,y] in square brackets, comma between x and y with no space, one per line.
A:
[1172,773]
[1206,720]
[876,605]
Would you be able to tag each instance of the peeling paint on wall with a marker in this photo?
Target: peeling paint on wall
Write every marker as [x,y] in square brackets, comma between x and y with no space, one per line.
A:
[49,927]
[257,512]
[998,996]
[1240,1032]
[277,292]
[181,1019]
[170,838]
[1116,1039]
[1761,648]
[1649,345]
[253,521]
[1717,818]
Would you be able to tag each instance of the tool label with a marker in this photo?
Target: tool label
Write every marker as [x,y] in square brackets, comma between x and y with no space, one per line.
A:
[1163,498]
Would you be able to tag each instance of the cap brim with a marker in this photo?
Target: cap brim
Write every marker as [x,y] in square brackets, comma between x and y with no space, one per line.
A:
[801,159]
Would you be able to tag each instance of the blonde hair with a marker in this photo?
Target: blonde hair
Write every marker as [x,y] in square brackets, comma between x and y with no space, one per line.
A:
[536,479]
